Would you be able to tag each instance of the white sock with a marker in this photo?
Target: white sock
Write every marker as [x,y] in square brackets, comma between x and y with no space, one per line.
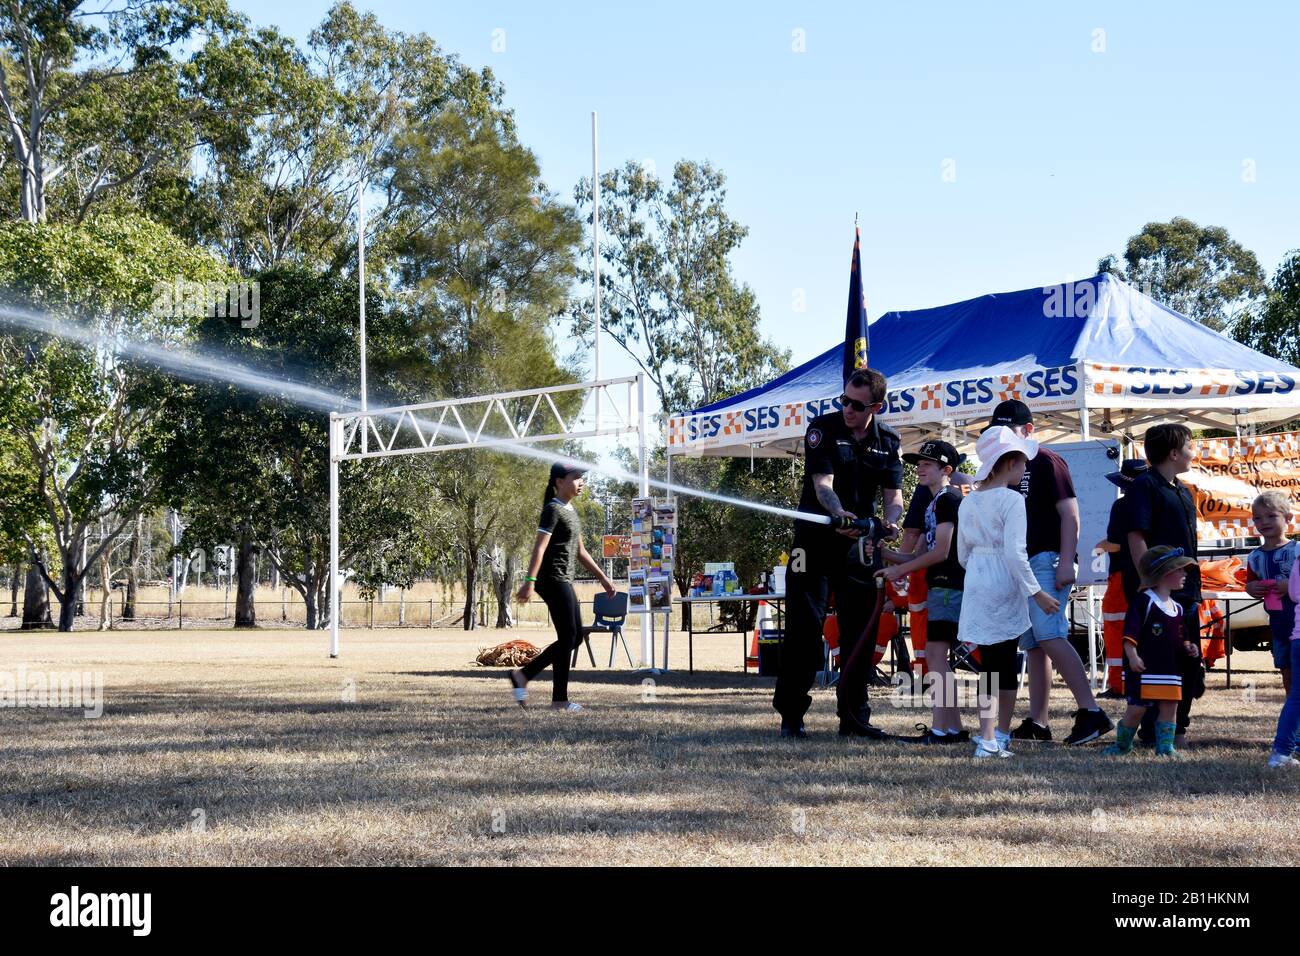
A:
[989,744]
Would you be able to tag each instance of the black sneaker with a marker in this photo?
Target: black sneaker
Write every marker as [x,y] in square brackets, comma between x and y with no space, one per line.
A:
[928,736]
[793,728]
[1028,730]
[1111,693]
[1089,725]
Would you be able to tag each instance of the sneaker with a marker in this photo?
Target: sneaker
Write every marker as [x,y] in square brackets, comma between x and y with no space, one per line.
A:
[567,706]
[982,752]
[929,737]
[518,687]
[793,728]
[1089,725]
[1110,693]
[1276,760]
[1002,739]
[1028,730]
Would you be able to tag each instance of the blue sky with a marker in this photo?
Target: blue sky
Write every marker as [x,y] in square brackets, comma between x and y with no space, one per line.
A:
[1059,141]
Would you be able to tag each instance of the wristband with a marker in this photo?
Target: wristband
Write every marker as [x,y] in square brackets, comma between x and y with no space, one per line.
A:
[527,578]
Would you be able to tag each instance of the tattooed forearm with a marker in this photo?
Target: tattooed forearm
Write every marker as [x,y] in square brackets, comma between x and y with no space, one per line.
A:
[827,496]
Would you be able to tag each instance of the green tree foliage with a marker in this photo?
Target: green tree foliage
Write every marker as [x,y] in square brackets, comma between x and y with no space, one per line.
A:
[1274,329]
[254,469]
[92,423]
[283,188]
[489,255]
[103,100]
[1199,271]
[668,295]
[670,300]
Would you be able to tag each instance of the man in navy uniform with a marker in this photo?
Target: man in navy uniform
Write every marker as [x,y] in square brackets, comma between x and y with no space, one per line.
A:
[849,456]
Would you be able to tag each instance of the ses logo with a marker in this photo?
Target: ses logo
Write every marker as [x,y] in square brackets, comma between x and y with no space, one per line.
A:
[1041,383]
[1172,381]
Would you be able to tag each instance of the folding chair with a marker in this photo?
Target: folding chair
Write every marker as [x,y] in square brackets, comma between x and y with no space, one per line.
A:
[609,612]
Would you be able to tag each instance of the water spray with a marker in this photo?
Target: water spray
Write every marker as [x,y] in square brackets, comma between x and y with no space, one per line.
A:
[195,366]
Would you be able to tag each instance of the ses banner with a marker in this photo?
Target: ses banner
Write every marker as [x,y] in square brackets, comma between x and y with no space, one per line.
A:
[1042,389]
[1230,472]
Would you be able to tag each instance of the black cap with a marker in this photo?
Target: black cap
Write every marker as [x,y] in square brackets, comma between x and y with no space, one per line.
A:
[1128,472]
[935,450]
[1011,413]
[563,469]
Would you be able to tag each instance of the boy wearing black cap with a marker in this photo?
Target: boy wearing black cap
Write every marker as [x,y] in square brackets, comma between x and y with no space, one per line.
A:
[1052,543]
[1122,580]
[935,462]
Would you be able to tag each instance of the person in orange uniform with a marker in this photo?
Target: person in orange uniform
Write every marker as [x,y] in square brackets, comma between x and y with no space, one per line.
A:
[1123,579]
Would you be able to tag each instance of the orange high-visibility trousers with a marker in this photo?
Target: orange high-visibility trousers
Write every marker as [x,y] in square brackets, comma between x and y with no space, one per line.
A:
[917,617]
[1114,608]
[1212,631]
[887,628]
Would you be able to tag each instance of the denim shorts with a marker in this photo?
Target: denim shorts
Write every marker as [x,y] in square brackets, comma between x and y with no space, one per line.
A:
[943,604]
[1043,626]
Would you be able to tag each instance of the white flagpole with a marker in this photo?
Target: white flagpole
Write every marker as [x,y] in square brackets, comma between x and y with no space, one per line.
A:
[595,253]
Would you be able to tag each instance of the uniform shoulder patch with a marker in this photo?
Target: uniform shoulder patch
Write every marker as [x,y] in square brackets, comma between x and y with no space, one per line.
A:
[814,437]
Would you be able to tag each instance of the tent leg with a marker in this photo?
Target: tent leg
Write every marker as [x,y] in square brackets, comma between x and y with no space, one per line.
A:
[1093,675]
[643,467]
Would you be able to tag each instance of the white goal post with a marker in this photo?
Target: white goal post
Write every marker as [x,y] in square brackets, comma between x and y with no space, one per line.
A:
[505,421]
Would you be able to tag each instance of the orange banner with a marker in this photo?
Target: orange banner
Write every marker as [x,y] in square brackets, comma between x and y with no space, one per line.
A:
[1230,472]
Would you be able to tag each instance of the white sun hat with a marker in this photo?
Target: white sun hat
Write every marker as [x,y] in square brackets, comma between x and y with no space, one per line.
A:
[998,441]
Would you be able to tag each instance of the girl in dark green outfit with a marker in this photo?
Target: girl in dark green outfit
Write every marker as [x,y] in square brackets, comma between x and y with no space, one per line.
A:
[556,556]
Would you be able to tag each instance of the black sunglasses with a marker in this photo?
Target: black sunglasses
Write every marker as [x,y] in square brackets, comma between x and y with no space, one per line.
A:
[856,405]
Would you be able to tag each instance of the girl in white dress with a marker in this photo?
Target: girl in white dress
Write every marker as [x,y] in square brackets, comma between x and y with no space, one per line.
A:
[991,547]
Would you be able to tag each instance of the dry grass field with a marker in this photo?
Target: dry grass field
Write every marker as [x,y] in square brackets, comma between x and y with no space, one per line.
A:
[219,748]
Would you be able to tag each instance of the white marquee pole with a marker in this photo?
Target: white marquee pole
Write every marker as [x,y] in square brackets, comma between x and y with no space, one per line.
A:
[595,253]
[1095,676]
[336,428]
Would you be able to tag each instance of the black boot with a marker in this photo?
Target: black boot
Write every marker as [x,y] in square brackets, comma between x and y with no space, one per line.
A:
[793,728]
[857,723]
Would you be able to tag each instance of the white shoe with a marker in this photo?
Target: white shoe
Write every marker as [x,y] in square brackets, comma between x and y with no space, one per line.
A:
[567,706]
[983,751]
[1002,739]
[1282,760]
[518,691]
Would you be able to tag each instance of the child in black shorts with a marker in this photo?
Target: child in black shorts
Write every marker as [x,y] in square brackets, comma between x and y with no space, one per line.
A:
[1154,650]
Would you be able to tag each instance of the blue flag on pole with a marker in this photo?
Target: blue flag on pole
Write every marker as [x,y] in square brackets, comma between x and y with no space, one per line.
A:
[857,340]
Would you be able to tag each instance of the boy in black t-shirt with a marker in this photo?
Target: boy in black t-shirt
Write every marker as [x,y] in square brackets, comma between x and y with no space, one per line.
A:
[1163,512]
[935,462]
